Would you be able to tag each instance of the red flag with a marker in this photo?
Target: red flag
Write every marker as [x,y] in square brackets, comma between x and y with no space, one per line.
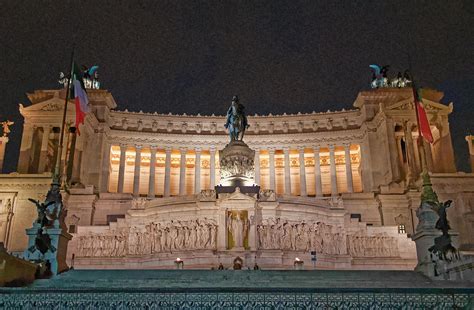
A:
[423,123]
[80,97]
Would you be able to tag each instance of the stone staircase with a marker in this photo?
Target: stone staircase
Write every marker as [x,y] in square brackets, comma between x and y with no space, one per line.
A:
[243,289]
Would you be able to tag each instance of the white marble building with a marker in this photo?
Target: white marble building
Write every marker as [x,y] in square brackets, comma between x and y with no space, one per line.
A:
[342,183]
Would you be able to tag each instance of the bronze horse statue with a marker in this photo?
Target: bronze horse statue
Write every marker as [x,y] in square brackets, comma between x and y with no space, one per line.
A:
[236,120]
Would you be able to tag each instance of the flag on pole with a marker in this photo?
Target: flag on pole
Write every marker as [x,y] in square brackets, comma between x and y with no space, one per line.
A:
[423,122]
[80,96]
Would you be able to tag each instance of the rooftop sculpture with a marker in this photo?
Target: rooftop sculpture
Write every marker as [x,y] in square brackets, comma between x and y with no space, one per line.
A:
[90,78]
[6,127]
[381,80]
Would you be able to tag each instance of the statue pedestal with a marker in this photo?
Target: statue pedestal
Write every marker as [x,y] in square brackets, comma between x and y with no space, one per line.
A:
[3,144]
[424,239]
[237,165]
[237,170]
[56,255]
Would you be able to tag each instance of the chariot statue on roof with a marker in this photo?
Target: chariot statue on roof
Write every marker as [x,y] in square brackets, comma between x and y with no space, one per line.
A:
[236,120]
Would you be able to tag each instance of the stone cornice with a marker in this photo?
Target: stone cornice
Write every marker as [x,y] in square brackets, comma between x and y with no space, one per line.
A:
[191,141]
[15,181]
[186,124]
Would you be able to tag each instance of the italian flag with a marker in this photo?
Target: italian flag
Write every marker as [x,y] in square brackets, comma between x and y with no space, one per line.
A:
[81,101]
[423,122]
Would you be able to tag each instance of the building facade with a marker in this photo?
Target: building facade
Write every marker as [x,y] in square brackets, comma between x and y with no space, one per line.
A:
[344,184]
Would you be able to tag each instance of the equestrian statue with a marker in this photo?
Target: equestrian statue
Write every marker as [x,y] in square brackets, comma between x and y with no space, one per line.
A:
[236,120]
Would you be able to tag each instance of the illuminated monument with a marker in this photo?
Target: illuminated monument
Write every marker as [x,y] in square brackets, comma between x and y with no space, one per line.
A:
[340,190]
[146,188]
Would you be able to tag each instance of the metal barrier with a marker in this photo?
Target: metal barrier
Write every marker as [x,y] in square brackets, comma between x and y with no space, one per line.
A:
[24,298]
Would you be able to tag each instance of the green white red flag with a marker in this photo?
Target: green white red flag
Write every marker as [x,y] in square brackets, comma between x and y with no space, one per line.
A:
[78,91]
[423,123]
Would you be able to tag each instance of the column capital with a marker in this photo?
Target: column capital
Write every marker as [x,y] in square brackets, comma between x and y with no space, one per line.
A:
[331,147]
[301,149]
[198,150]
[316,148]
[168,150]
[183,150]
[212,149]
[123,147]
[347,145]
[153,149]
[138,147]
[271,150]
[286,149]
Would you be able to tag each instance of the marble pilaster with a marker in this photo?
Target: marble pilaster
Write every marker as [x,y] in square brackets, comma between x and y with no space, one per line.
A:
[182,172]
[271,154]
[286,151]
[302,172]
[257,166]
[136,173]
[317,173]
[212,166]
[332,159]
[151,182]
[122,165]
[347,160]
[44,149]
[197,171]
[167,189]
[25,148]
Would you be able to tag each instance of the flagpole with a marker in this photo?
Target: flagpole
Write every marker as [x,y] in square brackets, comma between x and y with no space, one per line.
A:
[57,169]
[419,141]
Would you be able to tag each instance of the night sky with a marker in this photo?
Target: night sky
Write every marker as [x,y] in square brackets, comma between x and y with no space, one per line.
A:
[192,56]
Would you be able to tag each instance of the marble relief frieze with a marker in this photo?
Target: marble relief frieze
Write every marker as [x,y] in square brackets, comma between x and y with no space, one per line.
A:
[152,238]
[202,234]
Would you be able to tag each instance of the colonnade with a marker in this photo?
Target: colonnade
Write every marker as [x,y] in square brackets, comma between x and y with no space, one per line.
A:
[302,169]
[292,157]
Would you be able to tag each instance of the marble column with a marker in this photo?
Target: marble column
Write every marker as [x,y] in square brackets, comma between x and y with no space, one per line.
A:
[167,189]
[332,159]
[3,144]
[347,160]
[25,148]
[136,173]
[446,147]
[123,163]
[302,172]
[271,154]
[197,171]
[44,149]
[257,165]
[392,146]
[286,151]
[417,154]
[105,175]
[151,181]
[212,166]
[429,155]
[400,157]
[410,150]
[470,146]
[317,173]
[182,172]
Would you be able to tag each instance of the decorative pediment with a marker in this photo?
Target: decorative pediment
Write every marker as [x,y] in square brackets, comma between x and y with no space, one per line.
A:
[53,105]
[430,106]
[237,195]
